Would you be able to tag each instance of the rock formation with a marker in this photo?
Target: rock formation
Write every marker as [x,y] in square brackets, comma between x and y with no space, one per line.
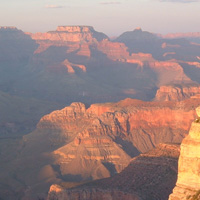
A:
[70,34]
[76,38]
[70,66]
[188,183]
[81,144]
[176,93]
[149,176]
[76,63]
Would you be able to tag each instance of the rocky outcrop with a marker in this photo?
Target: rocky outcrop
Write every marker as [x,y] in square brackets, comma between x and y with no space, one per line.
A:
[187,185]
[70,66]
[174,71]
[76,38]
[140,41]
[102,139]
[57,192]
[149,176]
[113,50]
[70,34]
[75,29]
[78,144]
[176,93]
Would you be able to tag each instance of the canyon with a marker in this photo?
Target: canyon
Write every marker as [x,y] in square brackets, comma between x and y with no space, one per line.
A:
[57,132]
[132,181]
[187,185]
[149,176]
[79,144]
[88,63]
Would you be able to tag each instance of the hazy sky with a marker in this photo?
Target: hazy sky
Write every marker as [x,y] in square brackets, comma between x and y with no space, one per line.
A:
[109,16]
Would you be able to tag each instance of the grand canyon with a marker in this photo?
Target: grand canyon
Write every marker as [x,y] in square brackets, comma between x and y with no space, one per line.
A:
[84,116]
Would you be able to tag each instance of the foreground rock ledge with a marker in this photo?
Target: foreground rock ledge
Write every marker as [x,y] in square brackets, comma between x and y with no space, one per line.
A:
[149,176]
[188,183]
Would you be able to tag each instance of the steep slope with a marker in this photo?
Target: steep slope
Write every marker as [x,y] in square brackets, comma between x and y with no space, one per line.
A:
[16,49]
[149,176]
[76,38]
[77,63]
[139,41]
[81,144]
[187,185]
[176,92]
[162,48]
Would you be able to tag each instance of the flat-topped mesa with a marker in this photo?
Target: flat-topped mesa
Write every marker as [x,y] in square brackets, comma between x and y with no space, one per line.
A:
[187,186]
[73,29]
[75,34]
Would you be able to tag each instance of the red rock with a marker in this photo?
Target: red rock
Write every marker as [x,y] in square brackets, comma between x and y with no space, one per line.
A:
[149,176]
[70,66]
[176,93]
[114,50]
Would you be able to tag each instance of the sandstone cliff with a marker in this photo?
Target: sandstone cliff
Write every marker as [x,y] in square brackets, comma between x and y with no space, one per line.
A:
[70,34]
[106,63]
[176,93]
[78,144]
[188,183]
[76,38]
[149,176]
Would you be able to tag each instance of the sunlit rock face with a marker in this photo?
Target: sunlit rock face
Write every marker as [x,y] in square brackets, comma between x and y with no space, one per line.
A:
[72,29]
[176,93]
[71,34]
[57,192]
[188,183]
[149,176]
[106,135]
[198,111]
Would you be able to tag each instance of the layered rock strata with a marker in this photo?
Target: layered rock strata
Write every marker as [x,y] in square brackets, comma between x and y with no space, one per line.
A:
[176,93]
[188,183]
[102,139]
[149,176]
[78,144]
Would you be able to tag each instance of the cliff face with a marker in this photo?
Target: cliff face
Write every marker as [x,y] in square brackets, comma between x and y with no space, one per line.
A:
[70,34]
[76,38]
[71,50]
[102,139]
[58,192]
[149,176]
[176,93]
[187,185]
[78,144]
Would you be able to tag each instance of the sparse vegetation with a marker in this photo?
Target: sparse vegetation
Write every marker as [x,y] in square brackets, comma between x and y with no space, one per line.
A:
[197,120]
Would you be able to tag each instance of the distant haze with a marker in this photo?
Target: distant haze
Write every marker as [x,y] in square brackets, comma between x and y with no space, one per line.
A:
[109,16]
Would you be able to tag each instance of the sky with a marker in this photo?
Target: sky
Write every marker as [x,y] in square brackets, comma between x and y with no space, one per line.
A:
[113,17]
